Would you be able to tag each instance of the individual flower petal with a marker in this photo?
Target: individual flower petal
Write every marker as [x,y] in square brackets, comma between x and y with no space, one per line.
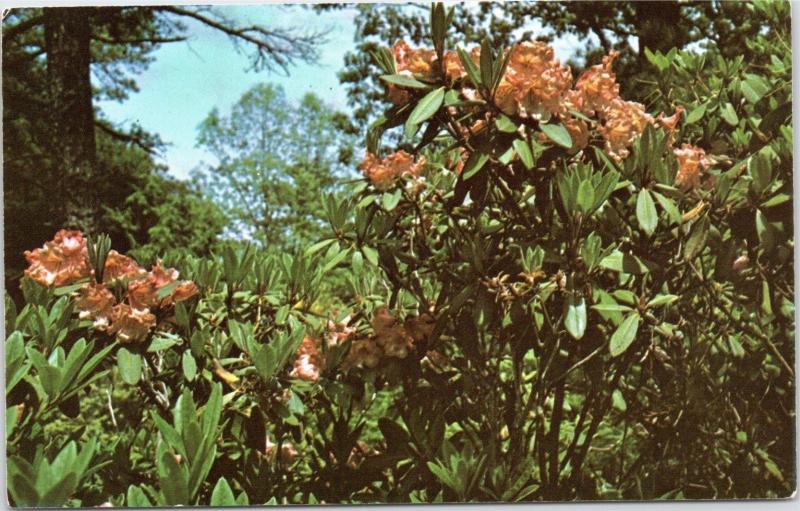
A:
[453,68]
[692,162]
[119,267]
[184,291]
[309,361]
[131,324]
[413,61]
[598,85]
[95,302]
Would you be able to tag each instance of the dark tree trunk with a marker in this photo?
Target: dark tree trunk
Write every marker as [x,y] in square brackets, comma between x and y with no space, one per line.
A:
[67,38]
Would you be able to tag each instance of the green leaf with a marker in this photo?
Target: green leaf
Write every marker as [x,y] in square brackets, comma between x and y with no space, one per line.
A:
[173,480]
[475,162]
[760,170]
[575,317]
[424,110]
[390,200]
[558,134]
[162,342]
[618,400]
[371,254]
[65,290]
[405,81]
[169,434]
[662,300]
[646,212]
[472,70]
[137,498]
[626,263]
[167,289]
[624,335]
[505,124]
[189,365]
[586,196]
[777,200]
[130,366]
[316,247]
[697,239]
[524,152]
[222,494]
[669,206]
[487,63]
[696,114]
[754,88]
[729,114]
[611,307]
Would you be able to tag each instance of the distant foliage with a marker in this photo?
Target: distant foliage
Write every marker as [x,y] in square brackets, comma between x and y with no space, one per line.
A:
[274,162]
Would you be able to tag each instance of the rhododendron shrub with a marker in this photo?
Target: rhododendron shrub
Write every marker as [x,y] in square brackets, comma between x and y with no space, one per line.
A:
[546,291]
[589,264]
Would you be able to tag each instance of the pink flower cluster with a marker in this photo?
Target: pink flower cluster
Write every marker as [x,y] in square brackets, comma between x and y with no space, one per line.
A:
[538,86]
[384,172]
[391,338]
[309,360]
[64,261]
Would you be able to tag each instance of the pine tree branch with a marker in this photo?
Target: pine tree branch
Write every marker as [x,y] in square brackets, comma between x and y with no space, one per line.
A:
[272,46]
[13,31]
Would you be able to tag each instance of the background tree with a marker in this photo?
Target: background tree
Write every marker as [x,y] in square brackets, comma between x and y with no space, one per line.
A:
[275,162]
[52,131]
[628,27]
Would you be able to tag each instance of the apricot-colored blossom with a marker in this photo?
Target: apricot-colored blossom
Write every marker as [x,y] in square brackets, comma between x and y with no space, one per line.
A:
[420,327]
[740,262]
[131,324]
[410,61]
[538,80]
[95,302]
[624,122]
[692,162]
[363,353]
[598,85]
[288,451]
[670,124]
[309,361]
[453,68]
[415,61]
[184,291]
[61,261]
[384,172]
[391,335]
[144,292]
[339,332]
[505,97]
[119,267]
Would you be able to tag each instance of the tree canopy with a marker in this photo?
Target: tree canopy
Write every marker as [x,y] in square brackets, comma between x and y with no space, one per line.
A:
[275,162]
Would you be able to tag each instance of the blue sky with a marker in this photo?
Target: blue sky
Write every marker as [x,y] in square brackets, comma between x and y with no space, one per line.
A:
[188,79]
